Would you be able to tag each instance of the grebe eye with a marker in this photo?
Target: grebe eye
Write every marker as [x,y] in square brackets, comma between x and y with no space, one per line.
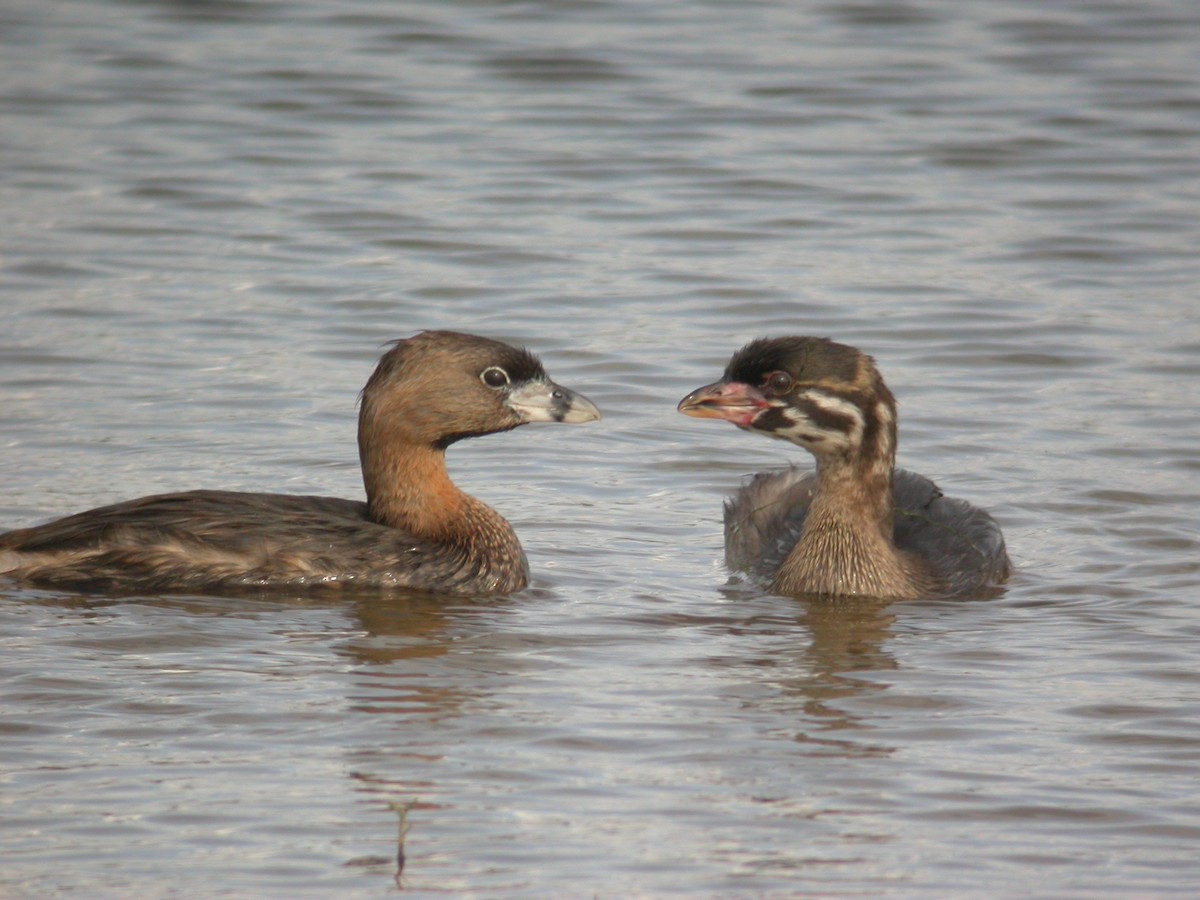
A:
[779,381]
[494,377]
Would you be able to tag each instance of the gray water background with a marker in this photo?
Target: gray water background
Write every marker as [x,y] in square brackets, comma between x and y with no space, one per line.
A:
[215,213]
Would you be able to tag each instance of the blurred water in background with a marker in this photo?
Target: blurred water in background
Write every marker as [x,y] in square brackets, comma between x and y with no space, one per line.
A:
[215,213]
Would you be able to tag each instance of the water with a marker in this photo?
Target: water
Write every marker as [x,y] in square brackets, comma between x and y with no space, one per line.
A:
[214,215]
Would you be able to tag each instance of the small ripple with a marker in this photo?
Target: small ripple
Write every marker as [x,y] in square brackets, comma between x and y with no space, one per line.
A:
[556,68]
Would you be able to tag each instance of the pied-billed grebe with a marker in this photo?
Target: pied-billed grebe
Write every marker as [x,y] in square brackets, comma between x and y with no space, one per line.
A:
[857,526]
[415,530]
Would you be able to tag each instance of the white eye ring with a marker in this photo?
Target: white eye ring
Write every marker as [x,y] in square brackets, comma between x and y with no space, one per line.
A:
[494,377]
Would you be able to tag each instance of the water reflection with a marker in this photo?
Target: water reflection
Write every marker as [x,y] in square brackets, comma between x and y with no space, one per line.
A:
[816,678]
[400,627]
[846,638]
[402,635]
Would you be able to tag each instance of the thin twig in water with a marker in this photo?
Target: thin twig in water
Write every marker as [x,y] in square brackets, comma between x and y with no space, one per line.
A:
[401,811]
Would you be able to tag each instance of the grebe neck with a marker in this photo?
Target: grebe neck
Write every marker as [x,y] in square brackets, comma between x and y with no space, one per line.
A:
[409,488]
[847,545]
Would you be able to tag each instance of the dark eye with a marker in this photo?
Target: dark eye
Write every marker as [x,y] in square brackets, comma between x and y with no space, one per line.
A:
[494,377]
[778,381]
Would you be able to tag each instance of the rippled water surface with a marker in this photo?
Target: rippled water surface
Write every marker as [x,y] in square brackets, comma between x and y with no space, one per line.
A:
[216,212]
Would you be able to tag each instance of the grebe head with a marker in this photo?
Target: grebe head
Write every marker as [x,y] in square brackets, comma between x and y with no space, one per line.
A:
[824,396]
[439,387]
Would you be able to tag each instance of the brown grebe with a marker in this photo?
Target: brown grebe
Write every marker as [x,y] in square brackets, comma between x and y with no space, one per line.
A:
[415,530]
[857,526]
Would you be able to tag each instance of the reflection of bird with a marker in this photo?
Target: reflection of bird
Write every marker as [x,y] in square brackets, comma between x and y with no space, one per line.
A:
[416,528]
[858,525]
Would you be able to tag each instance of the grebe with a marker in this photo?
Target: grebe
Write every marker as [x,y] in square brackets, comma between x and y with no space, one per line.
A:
[857,526]
[415,530]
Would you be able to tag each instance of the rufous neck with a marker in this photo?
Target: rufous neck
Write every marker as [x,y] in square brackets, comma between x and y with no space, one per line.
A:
[409,488]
